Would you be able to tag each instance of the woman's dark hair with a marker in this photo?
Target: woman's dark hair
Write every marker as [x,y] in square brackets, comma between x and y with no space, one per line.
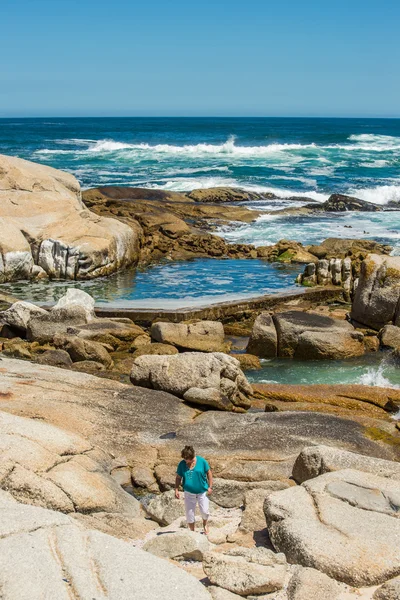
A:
[188,453]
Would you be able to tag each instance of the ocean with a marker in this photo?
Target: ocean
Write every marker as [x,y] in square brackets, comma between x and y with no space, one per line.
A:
[309,158]
[291,157]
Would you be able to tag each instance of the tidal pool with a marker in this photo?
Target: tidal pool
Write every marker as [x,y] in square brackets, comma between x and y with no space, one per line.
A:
[171,284]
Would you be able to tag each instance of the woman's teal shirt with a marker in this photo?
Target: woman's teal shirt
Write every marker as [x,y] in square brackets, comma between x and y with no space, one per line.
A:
[194,480]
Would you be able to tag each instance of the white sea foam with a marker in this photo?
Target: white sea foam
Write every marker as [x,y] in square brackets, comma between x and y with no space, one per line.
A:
[375,164]
[55,151]
[375,376]
[74,142]
[193,170]
[381,194]
[229,147]
[187,184]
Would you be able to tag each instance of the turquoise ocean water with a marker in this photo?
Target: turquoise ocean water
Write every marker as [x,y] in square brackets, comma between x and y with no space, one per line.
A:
[290,157]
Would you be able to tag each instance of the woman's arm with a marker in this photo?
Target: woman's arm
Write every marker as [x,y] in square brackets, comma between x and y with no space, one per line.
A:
[210,481]
[178,481]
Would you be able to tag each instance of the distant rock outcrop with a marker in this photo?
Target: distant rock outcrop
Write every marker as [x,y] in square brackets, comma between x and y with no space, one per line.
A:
[46,231]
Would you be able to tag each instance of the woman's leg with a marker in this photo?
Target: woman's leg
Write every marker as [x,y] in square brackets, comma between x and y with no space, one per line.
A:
[204,505]
[190,507]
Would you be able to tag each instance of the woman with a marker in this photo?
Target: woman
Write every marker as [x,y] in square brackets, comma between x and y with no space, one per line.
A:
[196,477]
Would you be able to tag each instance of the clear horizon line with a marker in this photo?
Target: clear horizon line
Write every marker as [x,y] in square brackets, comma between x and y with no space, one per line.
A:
[141,116]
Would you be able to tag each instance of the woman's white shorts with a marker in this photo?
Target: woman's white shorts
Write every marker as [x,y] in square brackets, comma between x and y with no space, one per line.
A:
[190,506]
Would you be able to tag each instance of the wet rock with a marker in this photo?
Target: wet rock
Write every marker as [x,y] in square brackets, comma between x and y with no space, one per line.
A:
[178,545]
[263,341]
[204,336]
[357,398]
[246,571]
[343,523]
[371,343]
[342,203]
[286,251]
[223,194]
[170,223]
[213,377]
[317,460]
[377,296]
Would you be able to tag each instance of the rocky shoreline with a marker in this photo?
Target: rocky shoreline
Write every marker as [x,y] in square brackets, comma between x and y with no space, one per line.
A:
[50,229]
[98,403]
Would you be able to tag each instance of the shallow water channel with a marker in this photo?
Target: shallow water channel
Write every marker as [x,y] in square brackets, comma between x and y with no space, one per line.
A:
[375,369]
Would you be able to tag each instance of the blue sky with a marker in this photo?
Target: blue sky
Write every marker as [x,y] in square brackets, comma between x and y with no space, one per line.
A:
[183,58]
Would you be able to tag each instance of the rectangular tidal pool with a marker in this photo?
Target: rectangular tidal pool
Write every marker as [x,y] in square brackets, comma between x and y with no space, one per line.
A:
[171,284]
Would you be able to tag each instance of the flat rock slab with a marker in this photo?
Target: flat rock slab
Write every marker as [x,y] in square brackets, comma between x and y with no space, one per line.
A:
[111,415]
[275,437]
[345,524]
[44,554]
